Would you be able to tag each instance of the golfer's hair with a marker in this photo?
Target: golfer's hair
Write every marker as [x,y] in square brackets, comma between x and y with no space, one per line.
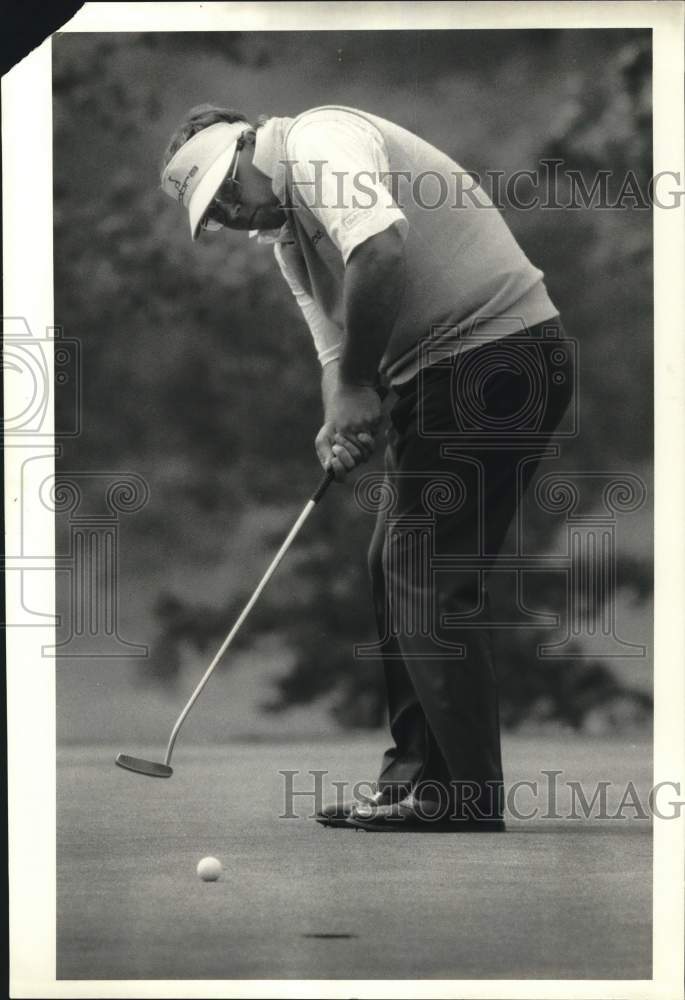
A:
[199,117]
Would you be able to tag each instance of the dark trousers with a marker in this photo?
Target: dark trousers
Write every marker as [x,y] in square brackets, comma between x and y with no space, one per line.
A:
[455,474]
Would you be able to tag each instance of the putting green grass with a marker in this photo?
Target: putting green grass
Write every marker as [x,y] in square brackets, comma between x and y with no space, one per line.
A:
[549,899]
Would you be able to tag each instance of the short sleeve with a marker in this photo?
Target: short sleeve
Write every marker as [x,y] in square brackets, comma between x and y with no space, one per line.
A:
[336,169]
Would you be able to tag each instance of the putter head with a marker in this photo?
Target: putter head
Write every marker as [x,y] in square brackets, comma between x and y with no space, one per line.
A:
[140,766]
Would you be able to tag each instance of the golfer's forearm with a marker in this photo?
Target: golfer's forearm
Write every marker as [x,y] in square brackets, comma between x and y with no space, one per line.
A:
[330,377]
[374,280]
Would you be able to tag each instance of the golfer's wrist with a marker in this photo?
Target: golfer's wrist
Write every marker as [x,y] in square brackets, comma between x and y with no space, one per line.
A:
[355,373]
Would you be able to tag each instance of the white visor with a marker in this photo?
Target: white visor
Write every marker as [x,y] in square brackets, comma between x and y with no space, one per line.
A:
[195,172]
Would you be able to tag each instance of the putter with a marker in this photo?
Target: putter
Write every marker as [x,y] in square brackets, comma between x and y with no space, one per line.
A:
[153,769]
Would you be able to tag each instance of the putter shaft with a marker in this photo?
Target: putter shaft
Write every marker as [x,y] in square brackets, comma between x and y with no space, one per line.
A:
[308,507]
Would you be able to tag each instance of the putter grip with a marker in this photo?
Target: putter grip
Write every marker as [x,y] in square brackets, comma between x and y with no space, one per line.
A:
[328,475]
[323,486]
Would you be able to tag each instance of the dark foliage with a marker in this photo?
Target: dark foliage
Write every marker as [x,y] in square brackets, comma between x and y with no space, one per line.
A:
[198,372]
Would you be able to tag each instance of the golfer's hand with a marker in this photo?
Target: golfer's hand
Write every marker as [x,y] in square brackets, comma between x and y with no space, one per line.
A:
[353,416]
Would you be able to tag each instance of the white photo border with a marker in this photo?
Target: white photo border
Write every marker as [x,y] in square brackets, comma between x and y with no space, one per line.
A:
[28,289]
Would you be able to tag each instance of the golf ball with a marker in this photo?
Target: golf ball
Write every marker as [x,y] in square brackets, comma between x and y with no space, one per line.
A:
[209,869]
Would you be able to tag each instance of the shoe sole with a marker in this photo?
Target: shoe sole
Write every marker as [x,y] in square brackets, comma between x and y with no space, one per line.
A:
[399,826]
[332,822]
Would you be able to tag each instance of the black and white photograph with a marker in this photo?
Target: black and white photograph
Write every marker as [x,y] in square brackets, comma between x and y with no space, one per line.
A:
[343,365]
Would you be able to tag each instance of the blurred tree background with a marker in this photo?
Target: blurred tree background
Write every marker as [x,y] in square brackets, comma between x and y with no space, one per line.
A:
[198,372]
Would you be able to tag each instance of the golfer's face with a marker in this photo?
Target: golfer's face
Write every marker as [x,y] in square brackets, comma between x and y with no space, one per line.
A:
[254,214]
[248,202]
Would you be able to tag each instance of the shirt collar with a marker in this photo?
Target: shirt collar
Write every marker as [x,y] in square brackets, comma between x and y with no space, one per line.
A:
[268,156]
[282,235]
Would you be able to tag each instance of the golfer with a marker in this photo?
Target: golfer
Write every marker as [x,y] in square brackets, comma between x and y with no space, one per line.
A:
[409,279]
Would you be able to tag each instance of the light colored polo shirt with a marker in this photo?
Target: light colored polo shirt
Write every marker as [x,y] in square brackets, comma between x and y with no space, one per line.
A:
[343,171]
